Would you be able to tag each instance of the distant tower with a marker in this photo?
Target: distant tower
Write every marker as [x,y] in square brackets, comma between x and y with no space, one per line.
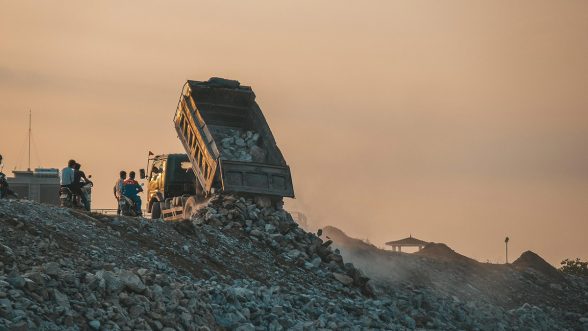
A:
[506,247]
[29,167]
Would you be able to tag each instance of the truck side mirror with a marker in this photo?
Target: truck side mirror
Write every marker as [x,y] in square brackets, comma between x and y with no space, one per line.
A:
[142,173]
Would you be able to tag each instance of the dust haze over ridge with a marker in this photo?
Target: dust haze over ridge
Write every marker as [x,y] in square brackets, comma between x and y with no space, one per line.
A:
[457,122]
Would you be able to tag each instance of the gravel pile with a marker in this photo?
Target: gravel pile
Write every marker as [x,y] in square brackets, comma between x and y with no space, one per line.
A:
[528,294]
[239,145]
[271,225]
[239,264]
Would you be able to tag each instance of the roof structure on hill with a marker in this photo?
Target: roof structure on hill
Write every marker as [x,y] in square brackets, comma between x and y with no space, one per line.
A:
[410,241]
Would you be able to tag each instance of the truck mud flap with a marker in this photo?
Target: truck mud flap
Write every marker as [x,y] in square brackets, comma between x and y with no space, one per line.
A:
[257,178]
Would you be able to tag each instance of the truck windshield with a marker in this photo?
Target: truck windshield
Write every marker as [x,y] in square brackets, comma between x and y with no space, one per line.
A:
[180,170]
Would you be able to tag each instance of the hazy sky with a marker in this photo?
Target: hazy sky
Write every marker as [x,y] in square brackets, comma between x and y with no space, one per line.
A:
[457,121]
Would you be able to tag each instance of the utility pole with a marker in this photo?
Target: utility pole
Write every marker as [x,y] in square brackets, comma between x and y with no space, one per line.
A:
[506,246]
[29,168]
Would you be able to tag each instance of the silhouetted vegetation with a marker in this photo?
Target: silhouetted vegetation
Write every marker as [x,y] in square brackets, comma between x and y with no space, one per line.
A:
[574,267]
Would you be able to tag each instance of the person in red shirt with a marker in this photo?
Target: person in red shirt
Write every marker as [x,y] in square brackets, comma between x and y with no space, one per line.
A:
[131,189]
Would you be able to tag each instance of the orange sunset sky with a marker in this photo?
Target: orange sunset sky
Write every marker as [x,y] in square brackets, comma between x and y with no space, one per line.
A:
[457,121]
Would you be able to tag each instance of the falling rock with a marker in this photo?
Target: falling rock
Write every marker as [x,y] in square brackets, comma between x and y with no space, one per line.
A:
[336,257]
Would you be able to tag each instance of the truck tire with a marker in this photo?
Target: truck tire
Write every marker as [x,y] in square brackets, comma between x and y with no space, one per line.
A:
[155,210]
[190,207]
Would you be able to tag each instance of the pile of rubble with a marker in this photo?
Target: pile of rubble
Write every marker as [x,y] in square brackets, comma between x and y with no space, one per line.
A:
[529,292]
[269,223]
[239,145]
[239,264]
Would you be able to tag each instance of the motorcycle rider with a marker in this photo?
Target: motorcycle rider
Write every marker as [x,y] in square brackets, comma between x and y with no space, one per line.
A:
[66,176]
[4,189]
[118,186]
[76,186]
[131,190]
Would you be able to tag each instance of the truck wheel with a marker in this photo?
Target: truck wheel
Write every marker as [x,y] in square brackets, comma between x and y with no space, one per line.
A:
[190,207]
[155,210]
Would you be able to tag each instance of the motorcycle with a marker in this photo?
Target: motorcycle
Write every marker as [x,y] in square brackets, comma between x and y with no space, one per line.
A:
[128,207]
[69,199]
[5,191]
[87,191]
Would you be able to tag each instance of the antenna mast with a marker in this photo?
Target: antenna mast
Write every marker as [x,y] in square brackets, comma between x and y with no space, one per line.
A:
[29,168]
[506,246]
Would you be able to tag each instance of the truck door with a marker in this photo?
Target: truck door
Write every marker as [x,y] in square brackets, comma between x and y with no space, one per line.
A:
[156,179]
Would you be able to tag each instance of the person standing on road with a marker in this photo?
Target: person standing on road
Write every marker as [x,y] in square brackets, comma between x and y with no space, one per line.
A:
[118,187]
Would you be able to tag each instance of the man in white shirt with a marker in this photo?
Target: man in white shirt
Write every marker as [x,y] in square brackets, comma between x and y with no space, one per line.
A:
[66,177]
[118,186]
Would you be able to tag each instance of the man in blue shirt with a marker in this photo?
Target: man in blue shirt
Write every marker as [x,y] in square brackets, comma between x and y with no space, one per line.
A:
[131,190]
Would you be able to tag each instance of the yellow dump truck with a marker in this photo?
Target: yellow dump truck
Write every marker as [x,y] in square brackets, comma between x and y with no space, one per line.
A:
[229,148]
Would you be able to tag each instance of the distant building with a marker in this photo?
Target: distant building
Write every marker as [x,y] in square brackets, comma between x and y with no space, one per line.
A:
[406,242]
[41,185]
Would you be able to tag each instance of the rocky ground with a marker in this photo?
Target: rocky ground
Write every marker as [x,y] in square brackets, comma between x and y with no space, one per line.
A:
[238,264]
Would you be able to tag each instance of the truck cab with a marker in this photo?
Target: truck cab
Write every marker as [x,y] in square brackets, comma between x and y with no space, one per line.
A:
[170,176]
